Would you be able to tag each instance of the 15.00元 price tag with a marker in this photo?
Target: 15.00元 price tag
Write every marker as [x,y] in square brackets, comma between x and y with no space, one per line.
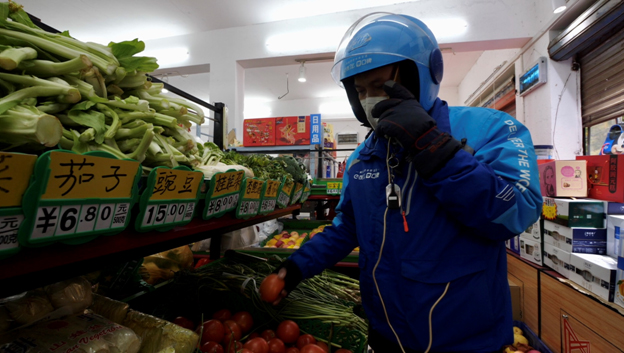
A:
[223,193]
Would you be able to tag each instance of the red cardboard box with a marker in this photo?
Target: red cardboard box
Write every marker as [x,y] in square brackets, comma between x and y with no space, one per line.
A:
[606,177]
[563,178]
[292,130]
[259,132]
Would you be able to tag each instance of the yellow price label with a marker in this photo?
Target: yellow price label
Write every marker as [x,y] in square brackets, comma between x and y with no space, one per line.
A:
[227,183]
[336,185]
[271,189]
[253,189]
[15,172]
[287,188]
[174,184]
[298,187]
[74,176]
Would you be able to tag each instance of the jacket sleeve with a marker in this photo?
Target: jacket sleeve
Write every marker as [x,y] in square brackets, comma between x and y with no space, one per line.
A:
[335,242]
[497,190]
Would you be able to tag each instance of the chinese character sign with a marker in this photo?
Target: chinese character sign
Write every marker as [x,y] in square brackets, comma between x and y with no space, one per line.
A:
[15,172]
[175,184]
[316,131]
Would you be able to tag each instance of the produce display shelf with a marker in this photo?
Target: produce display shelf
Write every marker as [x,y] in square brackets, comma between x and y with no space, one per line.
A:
[323,197]
[34,267]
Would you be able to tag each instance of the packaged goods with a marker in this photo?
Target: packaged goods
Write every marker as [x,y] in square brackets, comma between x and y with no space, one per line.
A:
[558,260]
[513,244]
[74,294]
[577,240]
[292,130]
[28,307]
[574,213]
[596,273]
[614,226]
[618,298]
[158,334]
[113,310]
[563,178]
[606,177]
[531,250]
[259,132]
[533,232]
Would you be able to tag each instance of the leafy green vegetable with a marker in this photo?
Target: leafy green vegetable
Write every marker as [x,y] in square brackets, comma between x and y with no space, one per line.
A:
[124,51]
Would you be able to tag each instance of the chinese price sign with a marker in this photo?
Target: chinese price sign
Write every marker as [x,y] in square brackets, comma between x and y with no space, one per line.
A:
[170,198]
[307,190]
[223,193]
[297,193]
[249,205]
[269,201]
[15,172]
[284,193]
[334,188]
[75,197]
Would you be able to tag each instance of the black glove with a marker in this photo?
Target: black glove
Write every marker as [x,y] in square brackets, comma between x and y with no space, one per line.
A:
[402,118]
[293,275]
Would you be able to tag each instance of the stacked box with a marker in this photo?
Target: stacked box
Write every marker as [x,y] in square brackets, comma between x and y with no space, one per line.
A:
[531,250]
[614,226]
[606,177]
[513,244]
[596,273]
[558,260]
[533,232]
[563,178]
[618,298]
[259,132]
[576,240]
[584,213]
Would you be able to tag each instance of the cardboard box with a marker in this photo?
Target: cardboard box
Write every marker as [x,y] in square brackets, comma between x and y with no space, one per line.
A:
[558,260]
[614,207]
[259,132]
[563,178]
[615,224]
[574,213]
[531,250]
[513,244]
[618,298]
[606,177]
[596,273]
[516,300]
[533,232]
[292,130]
[576,240]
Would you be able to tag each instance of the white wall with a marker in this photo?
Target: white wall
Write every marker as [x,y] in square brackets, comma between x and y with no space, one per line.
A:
[450,95]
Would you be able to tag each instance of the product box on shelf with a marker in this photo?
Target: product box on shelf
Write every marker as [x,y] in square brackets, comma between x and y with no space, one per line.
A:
[606,177]
[618,298]
[531,250]
[557,259]
[596,273]
[533,232]
[563,178]
[513,244]
[614,225]
[292,130]
[259,132]
[576,240]
[574,213]
[614,207]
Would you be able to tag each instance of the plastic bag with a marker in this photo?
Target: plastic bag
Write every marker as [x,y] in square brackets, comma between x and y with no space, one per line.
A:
[158,334]
[113,310]
[28,307]
[74,294]
[267,228]
[86,333]
[162,266]
[239,239]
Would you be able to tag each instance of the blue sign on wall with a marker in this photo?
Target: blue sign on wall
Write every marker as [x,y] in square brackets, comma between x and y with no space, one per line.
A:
[316,130]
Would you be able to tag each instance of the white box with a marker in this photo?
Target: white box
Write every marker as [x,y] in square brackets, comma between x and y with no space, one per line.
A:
[531,250]
[513,244]
[576,240]
[596,273]
[533,232]
[619,284]
[615,224]
[558,260]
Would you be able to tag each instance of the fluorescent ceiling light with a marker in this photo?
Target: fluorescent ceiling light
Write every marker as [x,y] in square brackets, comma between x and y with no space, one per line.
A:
[444,28]
[341,107]
[309,41]
[168,56]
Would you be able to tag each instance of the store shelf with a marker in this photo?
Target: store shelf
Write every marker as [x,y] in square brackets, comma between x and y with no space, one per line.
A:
[323,197]
[35,267]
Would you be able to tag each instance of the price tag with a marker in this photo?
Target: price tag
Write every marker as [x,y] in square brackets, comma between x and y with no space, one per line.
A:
[74,198]
[284,193]
[169,199]
[223,193]
[307,190]
[249,204]
[269,201]
[297,193]
[334,188]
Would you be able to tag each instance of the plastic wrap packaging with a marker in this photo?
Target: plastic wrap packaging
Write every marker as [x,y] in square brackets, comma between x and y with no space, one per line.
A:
[74,294]
[28,307]
[113,310]
[86,333]
[158,335]
[162,266]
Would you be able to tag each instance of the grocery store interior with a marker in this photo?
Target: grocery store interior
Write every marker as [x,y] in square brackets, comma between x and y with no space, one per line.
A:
[165,163]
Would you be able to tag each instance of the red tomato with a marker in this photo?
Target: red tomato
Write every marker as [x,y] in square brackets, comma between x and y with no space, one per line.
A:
[222,315]
[253,335]
[342,350]
[257,345]
[235,347]
[245,350]
[232,331]
[211,347]
[244,320]
[184,322]
[312,348]
[288,331]
[305,340]
[213,331]
[323,345]
[292,350]
[201,262]
[271,288]
[276,346]
[267,334]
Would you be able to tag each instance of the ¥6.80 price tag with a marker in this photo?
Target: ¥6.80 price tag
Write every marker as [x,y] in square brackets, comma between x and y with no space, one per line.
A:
[170,198]
[74,198]
[223,194]
[252,192]
[269,201]
[283,195]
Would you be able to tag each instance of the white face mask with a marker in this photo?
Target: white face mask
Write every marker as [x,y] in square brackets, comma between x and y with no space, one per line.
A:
[367,105]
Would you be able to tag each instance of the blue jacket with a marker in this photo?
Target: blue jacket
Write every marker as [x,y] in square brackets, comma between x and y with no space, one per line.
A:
[458,220]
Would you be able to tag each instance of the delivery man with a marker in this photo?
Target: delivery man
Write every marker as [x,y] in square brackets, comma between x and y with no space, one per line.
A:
[429,197]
